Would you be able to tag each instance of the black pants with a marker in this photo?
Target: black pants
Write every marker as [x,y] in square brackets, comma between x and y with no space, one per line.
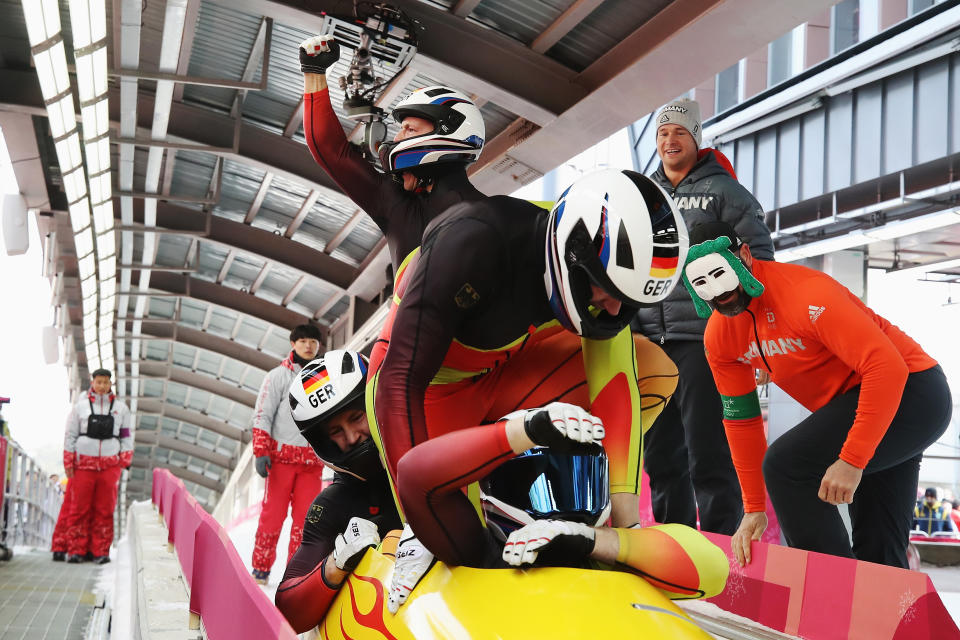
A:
[686,453]
[882,509]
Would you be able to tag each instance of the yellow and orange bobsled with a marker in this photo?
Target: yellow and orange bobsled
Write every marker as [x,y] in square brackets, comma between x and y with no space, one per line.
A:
[465,603]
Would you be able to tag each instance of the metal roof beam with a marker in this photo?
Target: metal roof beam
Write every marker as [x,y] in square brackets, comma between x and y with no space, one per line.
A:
[186,46]
[210,342]
[197,419]
[258,199]
[259,242]
[260,45]
[182,473]
[142,436]
[564,23]
[463,8]
[301,214]
[513,75]
[296,119]
[344,231]
[657,62]
[229,298]
[225,269]
[198,380]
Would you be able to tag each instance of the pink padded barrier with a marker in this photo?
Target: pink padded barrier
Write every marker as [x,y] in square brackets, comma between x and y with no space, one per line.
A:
[171,494]
[157,487]
[183,532]
[222,593]
[821,597]
[225,595]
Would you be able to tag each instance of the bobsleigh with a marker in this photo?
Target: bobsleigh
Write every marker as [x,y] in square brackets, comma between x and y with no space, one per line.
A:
[466,603]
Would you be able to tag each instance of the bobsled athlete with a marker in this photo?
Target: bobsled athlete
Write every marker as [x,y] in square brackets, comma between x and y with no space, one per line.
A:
[357,509]
[441,133]
[509,307]
[546,506]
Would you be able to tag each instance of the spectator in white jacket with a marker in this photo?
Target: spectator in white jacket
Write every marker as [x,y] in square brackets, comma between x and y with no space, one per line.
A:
[283,456]
[98,445]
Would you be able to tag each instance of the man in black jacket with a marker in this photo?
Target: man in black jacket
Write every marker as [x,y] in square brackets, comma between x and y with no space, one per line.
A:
[686,452]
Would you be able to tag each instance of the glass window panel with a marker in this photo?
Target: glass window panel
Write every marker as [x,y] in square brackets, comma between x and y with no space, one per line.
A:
[846,24]
[780,59]
[728,82]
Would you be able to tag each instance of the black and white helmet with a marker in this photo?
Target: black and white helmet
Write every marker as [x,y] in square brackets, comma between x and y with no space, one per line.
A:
[457,135]
[621,232]
[324,388]
[541,484]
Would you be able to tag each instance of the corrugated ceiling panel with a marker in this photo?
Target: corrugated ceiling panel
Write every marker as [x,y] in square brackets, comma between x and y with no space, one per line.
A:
[151,33]
[192,173]
[277,344]
[312,298]
[337,310]
[161,307]
[222,41]
[210,262]
[237,190]
[495,119]
[325,218]
[273,106]
[523,21]
[172,250]
[222,321]
[244,271]
[604,28]
[13,31]
[192,312]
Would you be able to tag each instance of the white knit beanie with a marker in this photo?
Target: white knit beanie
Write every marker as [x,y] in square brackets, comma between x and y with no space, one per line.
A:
[684,112]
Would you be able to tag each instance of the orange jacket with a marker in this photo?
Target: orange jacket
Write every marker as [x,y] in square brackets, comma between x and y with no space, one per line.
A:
[817,340]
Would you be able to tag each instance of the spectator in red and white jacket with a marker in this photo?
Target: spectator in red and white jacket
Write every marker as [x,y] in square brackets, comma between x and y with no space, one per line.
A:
[283,456]
[98,445]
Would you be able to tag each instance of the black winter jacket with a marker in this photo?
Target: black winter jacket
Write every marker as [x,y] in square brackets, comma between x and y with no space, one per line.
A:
[707,194]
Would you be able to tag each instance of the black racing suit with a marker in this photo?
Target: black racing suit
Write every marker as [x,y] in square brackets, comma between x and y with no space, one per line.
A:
[304,595]
[474,338]
[401,215]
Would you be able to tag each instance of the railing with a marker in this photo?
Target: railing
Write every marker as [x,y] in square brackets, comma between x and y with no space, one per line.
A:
[222,594]
[31,501]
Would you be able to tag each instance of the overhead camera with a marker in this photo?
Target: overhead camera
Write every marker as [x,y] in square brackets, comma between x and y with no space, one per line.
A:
[388,36]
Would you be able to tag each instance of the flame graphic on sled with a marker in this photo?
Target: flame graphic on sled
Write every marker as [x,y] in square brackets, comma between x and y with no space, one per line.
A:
[504,603]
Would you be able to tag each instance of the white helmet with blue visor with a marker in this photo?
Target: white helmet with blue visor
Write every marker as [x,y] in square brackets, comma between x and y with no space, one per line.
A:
[457,134]
[620,232]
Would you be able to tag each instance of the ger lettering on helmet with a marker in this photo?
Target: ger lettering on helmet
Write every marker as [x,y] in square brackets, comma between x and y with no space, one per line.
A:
[619,231]
[457,135]
[324,388]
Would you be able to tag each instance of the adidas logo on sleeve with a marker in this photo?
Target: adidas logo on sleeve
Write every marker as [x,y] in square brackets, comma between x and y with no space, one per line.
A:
[815,312]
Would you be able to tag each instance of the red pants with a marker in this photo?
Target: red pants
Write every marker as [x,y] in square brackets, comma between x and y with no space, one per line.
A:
[61,539]
[296,484]
[90,521]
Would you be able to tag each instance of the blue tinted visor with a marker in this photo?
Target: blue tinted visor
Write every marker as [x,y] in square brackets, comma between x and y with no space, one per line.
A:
[553,485]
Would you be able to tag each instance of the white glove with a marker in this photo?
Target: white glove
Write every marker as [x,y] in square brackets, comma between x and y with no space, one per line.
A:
[413,561]
[567,543]
[350,545]
[319,53]
[563,427]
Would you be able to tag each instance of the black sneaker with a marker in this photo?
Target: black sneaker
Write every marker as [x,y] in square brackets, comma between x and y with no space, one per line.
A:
[59,556]
[101,559]
[88,556]
[261,577]
[74,558]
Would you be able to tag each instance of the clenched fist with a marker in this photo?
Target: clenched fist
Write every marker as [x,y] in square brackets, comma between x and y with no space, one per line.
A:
[318,53]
